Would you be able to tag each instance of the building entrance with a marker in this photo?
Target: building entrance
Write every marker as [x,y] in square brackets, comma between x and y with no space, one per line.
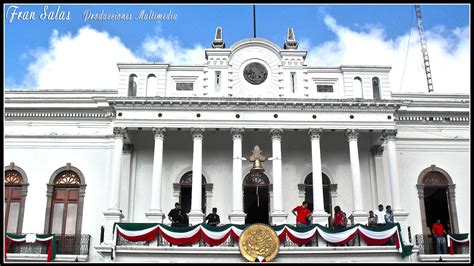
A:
[256,198]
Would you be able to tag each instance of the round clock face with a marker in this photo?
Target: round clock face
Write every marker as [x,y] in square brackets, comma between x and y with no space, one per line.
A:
[255,73]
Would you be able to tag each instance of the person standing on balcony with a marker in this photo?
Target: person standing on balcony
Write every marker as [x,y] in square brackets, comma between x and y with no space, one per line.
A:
[438,234]
[302,214]
[177,216]
[213,218]
[380,215]
[388,215]
[338,220]
[372,220]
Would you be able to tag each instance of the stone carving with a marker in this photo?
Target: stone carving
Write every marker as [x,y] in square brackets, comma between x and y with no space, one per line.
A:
[434,179]
[255,73]
[159,132]
[352,134]
[197,133]
[315,133]
[119,132]
[390,134]
[237,133]
[276,133]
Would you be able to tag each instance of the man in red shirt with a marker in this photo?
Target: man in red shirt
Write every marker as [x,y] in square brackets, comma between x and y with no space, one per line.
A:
[302,213]
[438,234]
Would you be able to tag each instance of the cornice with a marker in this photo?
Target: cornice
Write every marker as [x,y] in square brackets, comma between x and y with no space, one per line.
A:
[254,104]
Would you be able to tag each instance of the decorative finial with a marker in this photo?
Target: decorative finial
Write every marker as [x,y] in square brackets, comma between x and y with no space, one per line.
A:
[218,40]
[291,42]
[257,154]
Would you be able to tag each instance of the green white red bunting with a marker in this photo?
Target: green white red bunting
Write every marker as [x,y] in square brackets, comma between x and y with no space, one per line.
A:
[15,239]
[217,235]
[460,239]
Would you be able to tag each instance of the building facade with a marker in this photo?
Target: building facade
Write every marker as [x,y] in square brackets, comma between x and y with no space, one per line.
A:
[77,161]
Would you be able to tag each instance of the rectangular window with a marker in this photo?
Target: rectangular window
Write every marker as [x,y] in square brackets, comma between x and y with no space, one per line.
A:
[293,82]
[13,214]
[324,88]
[57,223]
[71,218]
[184,86]
[218,81]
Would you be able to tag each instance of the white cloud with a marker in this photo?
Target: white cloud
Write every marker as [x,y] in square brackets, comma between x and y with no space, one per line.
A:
[170,51]
[87,60]
[448,50]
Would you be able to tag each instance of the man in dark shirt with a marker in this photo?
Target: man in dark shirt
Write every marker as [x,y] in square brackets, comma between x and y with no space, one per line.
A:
[177,217]
[213,218]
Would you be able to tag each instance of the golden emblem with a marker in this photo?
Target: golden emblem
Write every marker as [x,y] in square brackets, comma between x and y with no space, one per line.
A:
[259,240]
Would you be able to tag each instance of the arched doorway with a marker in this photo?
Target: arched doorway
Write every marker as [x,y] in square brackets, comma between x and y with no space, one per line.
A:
[256,198]
[437,199]
[186,184]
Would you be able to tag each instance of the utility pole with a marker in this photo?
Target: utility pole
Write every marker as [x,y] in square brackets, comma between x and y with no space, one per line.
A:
[424,49]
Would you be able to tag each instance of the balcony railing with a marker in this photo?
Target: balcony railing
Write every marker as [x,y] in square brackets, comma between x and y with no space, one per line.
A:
[427,245]
[161,242]
[65,244]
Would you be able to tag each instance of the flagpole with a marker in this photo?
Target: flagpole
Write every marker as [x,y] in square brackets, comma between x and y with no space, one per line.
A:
[254,23]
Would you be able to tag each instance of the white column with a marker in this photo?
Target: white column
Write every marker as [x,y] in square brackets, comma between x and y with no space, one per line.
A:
[319,214]
[155,213]
[196,216]
[237,216]
[389,136]
[398,214]
[358,213]
[278,216]
[114,214]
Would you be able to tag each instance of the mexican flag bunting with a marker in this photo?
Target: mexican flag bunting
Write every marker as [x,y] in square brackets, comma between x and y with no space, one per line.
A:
[461,239]
[50,238]
[215,236]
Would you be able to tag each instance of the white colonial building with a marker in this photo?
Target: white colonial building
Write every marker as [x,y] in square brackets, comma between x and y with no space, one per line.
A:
[77,161]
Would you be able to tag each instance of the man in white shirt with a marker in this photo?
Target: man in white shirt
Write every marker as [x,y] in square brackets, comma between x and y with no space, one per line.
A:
[380,215]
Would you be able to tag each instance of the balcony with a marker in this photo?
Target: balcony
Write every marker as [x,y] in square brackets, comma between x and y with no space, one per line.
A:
[68,248]
[427,251]
[157,248]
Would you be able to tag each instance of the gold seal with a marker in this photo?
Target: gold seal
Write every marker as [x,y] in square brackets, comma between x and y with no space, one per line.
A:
[259,240]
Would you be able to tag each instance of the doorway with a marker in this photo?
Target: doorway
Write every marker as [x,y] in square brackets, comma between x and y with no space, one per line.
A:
[256,198]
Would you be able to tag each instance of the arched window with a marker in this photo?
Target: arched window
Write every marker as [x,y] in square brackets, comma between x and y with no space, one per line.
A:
[15,194]
[151,85]
[66,191]
[376,88]
[186,184]
[308,182]
[132,85]
[357,87]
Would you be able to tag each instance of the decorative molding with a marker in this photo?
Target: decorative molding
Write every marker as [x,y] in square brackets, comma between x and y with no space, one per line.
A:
[276,133]
[127,148]
[315,133]
[390,134]
[377,150]
[237,133]
[251,104]
[352,134]
[197,133]
[120,132]
[55,115]
[159,132]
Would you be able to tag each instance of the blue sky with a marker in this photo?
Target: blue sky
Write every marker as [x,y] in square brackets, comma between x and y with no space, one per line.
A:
[36,48]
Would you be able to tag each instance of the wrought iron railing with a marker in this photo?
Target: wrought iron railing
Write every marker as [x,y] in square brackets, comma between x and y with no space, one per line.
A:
[427,245]
[65,244]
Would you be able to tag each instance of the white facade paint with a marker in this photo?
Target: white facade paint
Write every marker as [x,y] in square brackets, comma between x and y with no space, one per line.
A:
[44,130]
